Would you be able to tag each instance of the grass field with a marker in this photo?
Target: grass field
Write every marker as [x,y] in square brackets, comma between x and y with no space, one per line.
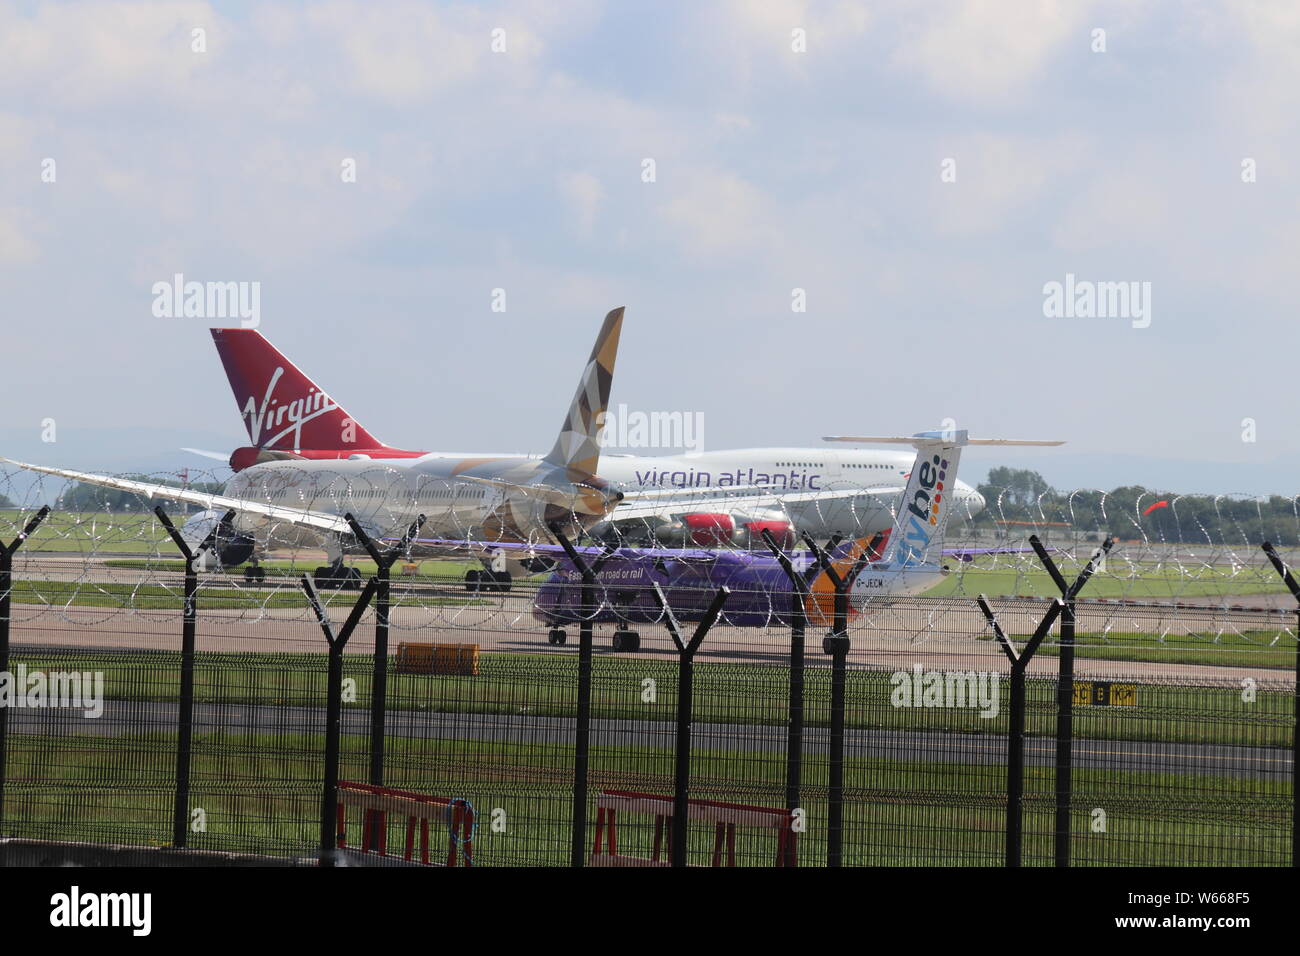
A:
[427,571]
[521,684]
[1263,649]
[1137,583]
[153,597]
[95,531]
[261,794]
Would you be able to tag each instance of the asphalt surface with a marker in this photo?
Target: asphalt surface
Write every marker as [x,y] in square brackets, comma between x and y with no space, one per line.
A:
[124,718]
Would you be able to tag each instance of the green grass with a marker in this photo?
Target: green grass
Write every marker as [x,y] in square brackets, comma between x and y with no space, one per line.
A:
[151,597]
[543,686]
[440,572]
[94,531]
[1252,649]
[1144,584]
[260,793]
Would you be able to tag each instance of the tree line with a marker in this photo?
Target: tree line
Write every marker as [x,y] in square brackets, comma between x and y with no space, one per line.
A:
[1136,512]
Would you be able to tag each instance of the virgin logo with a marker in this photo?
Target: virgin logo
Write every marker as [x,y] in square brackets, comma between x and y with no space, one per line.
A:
[289,417]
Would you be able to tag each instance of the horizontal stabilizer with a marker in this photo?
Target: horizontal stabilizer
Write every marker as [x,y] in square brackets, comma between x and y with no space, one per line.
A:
[949,438]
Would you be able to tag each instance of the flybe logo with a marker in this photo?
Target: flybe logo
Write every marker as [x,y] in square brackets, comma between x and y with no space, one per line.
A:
[289,417]
[923,511]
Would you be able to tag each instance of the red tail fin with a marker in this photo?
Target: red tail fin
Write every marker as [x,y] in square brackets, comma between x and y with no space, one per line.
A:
[282,408]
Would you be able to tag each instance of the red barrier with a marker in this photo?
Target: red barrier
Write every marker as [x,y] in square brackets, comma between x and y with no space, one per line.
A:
[455,816]
[725,817]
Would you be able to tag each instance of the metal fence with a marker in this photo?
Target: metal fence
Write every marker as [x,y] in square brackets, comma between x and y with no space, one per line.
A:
[926,731]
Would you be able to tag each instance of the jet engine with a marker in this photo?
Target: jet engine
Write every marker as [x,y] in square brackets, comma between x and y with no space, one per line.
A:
[232,548]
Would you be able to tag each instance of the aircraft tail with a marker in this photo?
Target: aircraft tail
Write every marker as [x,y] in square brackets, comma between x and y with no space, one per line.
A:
[922,518]
[577,449]
[283,409]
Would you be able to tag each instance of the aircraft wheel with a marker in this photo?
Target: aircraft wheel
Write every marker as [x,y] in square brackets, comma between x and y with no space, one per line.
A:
[260,574]
[472,580]
[250,575]
[324,577]
[351,579]
[557,636]
[627,641]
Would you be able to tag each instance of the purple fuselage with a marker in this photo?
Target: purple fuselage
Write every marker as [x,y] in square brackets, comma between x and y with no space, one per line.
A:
[760,591]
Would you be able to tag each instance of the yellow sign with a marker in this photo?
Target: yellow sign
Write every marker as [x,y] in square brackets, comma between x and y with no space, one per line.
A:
[1104,694]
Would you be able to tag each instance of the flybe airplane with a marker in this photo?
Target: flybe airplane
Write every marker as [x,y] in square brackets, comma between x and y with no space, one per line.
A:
[309,463]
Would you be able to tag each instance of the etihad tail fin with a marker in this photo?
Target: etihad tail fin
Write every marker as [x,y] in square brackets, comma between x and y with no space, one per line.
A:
[923,512]
[283,409]
[577,449]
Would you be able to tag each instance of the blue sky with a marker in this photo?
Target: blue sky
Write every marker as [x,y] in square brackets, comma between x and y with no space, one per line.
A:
[775,170]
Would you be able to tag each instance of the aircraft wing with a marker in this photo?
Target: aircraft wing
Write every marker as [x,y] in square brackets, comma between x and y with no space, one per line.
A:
[318,520]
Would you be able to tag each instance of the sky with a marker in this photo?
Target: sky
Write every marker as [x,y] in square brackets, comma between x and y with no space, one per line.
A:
[854,215]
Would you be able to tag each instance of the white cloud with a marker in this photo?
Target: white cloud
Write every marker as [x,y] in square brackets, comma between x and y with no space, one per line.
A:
[999,175]
[16,248]
[987,50]
[583,193]
[716,214]
[92,54]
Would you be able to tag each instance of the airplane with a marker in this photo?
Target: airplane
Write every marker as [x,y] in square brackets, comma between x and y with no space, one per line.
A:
[283,497]
[905,560]
[706,499]
[311,463]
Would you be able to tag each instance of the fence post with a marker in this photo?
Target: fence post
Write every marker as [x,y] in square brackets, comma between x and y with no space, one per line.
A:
[582,730]
[384,561]
[836,644]
[185,706]
[798,627]
[1065,690]
[1294,587]
[685,688]
[6,595]
[1016,723]
[329,803]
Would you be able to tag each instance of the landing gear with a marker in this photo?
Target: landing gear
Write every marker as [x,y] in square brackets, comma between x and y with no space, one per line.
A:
[626,640]
[254,574]
[485,580]
[337,576]
[539,565]
[556,636]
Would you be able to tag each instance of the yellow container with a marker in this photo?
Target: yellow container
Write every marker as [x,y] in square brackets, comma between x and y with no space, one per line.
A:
[437,659]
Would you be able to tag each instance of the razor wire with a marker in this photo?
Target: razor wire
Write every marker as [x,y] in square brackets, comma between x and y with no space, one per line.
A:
[1185,579]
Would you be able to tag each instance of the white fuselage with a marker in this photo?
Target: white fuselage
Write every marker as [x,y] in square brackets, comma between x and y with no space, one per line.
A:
[390,492]
[880,474]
